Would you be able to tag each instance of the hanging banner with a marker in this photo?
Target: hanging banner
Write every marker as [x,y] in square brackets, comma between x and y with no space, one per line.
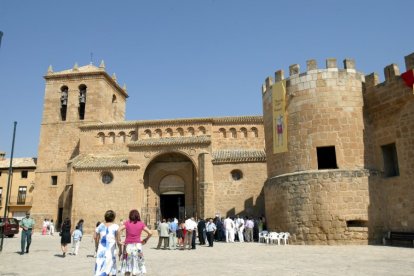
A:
[279,117]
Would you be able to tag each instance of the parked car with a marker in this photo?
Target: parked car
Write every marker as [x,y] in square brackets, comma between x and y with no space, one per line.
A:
[9,227]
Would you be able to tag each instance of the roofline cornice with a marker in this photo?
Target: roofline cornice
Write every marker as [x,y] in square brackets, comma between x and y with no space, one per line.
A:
[172,141]
[176,122]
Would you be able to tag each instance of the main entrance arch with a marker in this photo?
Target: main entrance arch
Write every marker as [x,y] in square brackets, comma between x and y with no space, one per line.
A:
[171,187]
[172,196]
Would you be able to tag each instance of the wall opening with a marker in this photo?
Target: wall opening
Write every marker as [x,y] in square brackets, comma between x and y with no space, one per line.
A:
[356,223]
[389,155]
[54,180]
[82,101]
[326,157]
[63,102]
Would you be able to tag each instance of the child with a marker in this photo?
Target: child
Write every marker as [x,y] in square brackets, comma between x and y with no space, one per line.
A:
[77,235]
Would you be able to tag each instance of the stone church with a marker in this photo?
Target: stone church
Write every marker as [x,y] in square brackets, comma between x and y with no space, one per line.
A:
[90,159]
[331,160]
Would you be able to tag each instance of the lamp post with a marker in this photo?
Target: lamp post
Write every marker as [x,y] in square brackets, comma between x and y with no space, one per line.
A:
[6,206]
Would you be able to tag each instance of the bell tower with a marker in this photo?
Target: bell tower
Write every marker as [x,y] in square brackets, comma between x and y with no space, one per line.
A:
[73,97]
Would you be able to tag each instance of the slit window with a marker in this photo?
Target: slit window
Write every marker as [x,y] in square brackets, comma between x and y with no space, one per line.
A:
[326,158]
[389,154]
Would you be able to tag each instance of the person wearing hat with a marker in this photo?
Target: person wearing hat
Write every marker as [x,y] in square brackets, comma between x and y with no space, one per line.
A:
[27,225]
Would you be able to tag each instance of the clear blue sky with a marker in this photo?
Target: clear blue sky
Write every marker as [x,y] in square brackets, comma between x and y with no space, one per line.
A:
[183,59]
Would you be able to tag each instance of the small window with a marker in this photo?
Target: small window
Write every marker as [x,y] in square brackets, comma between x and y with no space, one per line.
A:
[54,180]
[389,154]
[326,158]
[0,173]
[236,175]
[356,223]
[107,177]
[24,174]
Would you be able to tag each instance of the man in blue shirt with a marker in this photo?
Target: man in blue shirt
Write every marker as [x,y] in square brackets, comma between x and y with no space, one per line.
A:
[172,226]
[211,229]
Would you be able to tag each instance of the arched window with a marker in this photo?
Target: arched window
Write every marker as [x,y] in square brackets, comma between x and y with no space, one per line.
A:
[111,137]
[233,133]
[114,98]
[243,132]
[82,101]
[180,131]
[133,136]
[101,137]
[190,131]
[168,132]
[201,130]
[158,133]
[255,132]
[147,133]
[63,102]
[122,136]
[222,132]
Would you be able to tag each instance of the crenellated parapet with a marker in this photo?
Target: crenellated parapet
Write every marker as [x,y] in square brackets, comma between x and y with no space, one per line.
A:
[391,74]
[313,74]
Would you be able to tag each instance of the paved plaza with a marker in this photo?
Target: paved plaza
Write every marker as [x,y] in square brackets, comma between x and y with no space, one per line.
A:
[45,258]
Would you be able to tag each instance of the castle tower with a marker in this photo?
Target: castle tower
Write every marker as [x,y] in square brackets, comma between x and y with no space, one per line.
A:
[317,188]
[74,97]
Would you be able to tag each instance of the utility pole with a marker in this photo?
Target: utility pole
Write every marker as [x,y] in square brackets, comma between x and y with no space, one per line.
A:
[6,207]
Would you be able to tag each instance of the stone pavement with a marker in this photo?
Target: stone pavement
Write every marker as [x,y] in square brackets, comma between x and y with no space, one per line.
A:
[45,258]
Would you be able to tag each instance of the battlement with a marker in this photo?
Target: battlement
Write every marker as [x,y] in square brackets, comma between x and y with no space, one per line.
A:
[312,68]
[391,73]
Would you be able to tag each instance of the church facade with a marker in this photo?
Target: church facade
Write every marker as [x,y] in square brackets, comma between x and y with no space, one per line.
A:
[330,161]
[90,159]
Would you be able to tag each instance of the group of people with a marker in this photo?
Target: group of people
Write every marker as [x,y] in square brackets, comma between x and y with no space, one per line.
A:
[182,234]
[48,227]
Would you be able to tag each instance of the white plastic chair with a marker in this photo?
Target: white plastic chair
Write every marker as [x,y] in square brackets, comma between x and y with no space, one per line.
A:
[269,237]
[285,237]
[263,235]
[276,237]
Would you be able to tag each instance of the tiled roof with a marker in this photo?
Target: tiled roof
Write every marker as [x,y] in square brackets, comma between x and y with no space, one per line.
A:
[26,162]
[170,141]
[101,162]
[182,121]
[90,70]
[82,69]
[238,156]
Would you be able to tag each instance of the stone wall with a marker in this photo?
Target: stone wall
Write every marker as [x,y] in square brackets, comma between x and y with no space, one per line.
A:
[319,207]
[244,196]
[389,109]
[91,198]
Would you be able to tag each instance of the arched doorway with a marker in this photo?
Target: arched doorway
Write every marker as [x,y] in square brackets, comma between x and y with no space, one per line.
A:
[172,199]
[171,187]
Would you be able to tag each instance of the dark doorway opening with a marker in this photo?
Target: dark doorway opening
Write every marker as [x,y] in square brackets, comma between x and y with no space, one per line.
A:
[172,206]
